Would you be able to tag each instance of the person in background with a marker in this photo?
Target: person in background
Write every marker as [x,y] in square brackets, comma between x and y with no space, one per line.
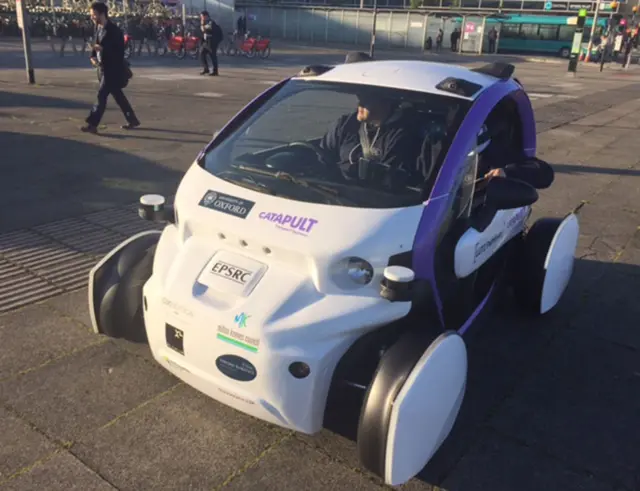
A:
[211,38]
[108,55]
[439,39]
[241,26]
[493,36]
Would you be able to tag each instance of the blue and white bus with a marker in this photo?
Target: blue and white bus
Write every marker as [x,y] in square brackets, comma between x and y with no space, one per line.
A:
[542,34]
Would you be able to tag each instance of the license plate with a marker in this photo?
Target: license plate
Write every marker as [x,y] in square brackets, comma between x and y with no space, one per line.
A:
[175,338]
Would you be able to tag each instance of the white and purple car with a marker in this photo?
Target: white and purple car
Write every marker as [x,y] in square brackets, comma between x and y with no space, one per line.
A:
[278,280]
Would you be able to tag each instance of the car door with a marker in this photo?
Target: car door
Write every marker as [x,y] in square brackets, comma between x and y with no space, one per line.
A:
[456,294]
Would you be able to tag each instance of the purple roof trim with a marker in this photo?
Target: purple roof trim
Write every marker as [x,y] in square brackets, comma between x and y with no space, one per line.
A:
[435,210]
[528,123]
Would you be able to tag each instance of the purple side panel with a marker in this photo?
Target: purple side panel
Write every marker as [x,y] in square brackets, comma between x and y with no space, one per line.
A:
[476,312]
[424,244]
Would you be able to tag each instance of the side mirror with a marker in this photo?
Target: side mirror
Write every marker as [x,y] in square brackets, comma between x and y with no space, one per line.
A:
[152,207]
[505,194]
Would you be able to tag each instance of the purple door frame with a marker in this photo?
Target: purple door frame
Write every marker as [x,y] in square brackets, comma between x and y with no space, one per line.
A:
[435,211]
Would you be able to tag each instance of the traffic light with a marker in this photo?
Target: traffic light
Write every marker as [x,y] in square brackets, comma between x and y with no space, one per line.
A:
[613,5]
[635,9]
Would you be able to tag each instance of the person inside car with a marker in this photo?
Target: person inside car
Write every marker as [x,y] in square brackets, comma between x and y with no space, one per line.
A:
[372,144]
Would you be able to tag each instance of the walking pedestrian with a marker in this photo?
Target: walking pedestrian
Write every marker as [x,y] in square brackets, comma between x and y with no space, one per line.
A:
[211,38]
[493,36]
[108,56]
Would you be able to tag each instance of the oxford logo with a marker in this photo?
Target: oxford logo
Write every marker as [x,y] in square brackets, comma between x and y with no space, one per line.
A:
[210,198]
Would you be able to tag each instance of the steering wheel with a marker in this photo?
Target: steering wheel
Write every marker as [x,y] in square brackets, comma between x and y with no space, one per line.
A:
[314,148]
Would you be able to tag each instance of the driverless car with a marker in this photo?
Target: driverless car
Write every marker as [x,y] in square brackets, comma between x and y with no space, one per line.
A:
[312,246]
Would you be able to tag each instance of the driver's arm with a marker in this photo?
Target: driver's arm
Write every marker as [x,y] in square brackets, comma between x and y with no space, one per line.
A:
[333,138]
[531,170]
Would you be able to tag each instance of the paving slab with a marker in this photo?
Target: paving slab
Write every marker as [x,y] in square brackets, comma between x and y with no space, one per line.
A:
[499,464]
[293,466]
[22,445]
[78,394]
[34,336]
[183,440]
[580,405]
[62,472]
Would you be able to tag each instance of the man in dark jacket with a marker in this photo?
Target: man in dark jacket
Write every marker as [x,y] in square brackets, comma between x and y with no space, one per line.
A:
[108,55]
[211,38]
[372,144]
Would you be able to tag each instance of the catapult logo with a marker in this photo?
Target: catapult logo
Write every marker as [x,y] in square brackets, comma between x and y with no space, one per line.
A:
[291,223]
[225,203]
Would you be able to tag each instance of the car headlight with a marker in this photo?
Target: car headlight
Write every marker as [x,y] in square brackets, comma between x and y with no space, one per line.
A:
[359,270]
[352,272]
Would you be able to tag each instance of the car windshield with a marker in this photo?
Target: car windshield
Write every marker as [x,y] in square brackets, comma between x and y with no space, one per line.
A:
[341,144]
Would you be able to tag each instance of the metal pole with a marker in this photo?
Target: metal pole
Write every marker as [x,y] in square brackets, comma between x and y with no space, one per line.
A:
[53,18]
[184,14]
[24,22]
[593,30]
[373,29]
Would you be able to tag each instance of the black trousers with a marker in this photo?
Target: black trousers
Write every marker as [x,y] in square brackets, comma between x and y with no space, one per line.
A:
[97,111]
[211,50]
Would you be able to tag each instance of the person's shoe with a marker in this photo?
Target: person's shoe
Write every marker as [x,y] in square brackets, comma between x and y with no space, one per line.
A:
[131,125]
[214,74]
[89,128]
[204,72]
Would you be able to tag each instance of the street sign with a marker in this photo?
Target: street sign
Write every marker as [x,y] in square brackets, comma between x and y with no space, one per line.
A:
[548,5]
[577,42]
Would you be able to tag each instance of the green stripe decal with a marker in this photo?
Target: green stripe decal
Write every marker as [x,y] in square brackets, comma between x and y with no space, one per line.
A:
[239,344]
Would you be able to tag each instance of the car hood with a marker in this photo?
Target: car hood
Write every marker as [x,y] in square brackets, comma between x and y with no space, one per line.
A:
[297,235]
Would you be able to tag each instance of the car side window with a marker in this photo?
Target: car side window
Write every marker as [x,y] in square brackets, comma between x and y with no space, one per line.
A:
[464,186]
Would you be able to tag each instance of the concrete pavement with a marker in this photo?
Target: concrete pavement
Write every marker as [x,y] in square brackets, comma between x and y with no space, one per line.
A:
[551,404]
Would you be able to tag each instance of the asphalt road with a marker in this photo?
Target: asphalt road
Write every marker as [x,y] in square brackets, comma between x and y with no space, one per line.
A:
[551,404]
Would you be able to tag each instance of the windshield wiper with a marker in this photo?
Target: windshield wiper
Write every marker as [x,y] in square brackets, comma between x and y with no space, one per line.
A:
[252,184]
[285,176]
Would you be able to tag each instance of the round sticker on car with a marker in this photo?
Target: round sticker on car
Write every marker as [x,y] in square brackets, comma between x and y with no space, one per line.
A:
[236,367]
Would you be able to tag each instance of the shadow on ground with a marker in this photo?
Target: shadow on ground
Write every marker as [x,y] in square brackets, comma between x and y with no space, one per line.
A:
[582,169]
[12,100]
[541,399]
[49,178]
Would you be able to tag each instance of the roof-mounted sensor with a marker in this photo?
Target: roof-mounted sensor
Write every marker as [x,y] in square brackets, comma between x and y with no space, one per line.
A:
[314,70]
[503,71]
[458,86]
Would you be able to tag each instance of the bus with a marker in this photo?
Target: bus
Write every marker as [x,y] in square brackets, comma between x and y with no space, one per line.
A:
[543,34]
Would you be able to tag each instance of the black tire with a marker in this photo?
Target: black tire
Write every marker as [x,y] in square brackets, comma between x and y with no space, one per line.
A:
[530,273]
[265,53]
[181,53]
[393,370]
[128,312]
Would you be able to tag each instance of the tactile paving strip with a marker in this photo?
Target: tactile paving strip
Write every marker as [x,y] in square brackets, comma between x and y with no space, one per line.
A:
[51,259]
